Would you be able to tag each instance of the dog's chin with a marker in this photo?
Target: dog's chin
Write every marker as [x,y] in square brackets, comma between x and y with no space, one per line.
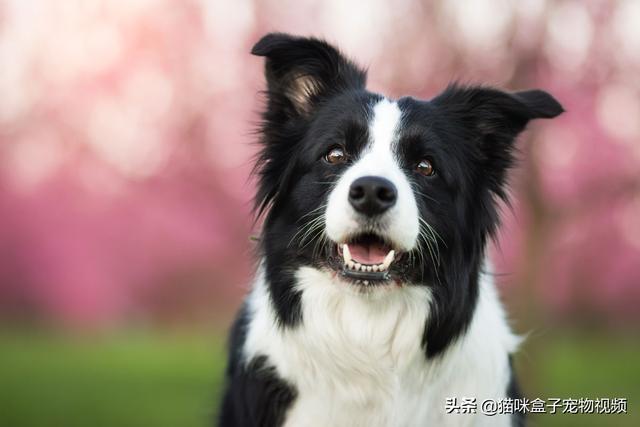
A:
[367,261]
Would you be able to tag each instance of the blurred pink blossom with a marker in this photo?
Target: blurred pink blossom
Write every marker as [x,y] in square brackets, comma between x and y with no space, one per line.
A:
[126,142]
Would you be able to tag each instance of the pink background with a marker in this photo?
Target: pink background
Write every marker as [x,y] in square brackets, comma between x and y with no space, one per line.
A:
[126,143]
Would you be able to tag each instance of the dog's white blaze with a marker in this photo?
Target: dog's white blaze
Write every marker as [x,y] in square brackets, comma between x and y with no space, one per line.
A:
[377,159]
[357,361]
[383,128]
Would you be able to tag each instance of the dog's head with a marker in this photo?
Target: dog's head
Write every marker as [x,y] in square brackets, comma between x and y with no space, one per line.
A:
[378,192]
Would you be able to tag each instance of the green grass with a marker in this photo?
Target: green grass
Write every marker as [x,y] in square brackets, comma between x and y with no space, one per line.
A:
[168,380]
[117,382]
[579,365]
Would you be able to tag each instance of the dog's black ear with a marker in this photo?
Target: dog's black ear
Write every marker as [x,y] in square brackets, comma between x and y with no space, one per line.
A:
[302,71]
[492,119]
[494,112]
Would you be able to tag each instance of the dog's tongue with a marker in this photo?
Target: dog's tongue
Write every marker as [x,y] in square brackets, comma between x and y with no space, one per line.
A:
[373,253]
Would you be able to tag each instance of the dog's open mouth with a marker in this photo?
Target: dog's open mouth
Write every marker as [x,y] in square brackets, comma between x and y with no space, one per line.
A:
[367,259]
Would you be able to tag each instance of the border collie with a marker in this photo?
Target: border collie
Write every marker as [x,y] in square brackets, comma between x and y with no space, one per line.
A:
[372,302]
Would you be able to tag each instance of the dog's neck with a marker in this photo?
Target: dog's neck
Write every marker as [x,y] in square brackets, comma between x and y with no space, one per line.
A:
[352,351]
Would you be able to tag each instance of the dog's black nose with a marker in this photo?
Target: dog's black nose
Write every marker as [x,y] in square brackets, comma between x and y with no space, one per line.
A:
[372,195]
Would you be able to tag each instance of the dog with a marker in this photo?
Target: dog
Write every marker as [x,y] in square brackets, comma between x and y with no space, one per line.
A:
[373,303]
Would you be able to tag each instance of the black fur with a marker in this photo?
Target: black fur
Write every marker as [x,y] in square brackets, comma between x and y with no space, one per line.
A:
[288,131]
[254,396]
[519,419]
[316,98]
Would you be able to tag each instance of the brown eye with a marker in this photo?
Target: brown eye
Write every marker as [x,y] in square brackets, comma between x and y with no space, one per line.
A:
[335,156]
[425,167]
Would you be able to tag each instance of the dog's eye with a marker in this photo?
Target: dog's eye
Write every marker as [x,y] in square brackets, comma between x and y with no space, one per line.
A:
[335,156]
[425,167]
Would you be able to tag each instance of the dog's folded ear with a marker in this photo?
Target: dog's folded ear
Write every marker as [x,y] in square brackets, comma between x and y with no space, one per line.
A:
[302,71]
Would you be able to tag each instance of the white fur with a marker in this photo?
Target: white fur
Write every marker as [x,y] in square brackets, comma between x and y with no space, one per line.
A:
[400,223]
[356,358]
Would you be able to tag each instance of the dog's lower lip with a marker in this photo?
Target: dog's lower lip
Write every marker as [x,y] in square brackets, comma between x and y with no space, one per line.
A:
[366,276]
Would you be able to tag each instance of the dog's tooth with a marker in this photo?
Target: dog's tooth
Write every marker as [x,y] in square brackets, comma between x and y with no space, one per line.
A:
[388,259]
[390,256]
[351,265]
[374,267]
[368,268]
[357,265]
[346,253]
[366,282]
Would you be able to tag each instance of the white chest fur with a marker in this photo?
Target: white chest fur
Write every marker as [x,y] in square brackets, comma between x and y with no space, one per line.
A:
[356,360]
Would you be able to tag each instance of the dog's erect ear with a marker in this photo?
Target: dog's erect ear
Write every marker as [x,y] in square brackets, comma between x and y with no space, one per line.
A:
[494,112]
[302,71]
[492,119]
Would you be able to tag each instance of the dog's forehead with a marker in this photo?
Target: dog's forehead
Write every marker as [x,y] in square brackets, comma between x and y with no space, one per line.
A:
[350,105]
[395,123]
[378,123]
[391,120]
[417,114]
[384,125]
[379,154]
